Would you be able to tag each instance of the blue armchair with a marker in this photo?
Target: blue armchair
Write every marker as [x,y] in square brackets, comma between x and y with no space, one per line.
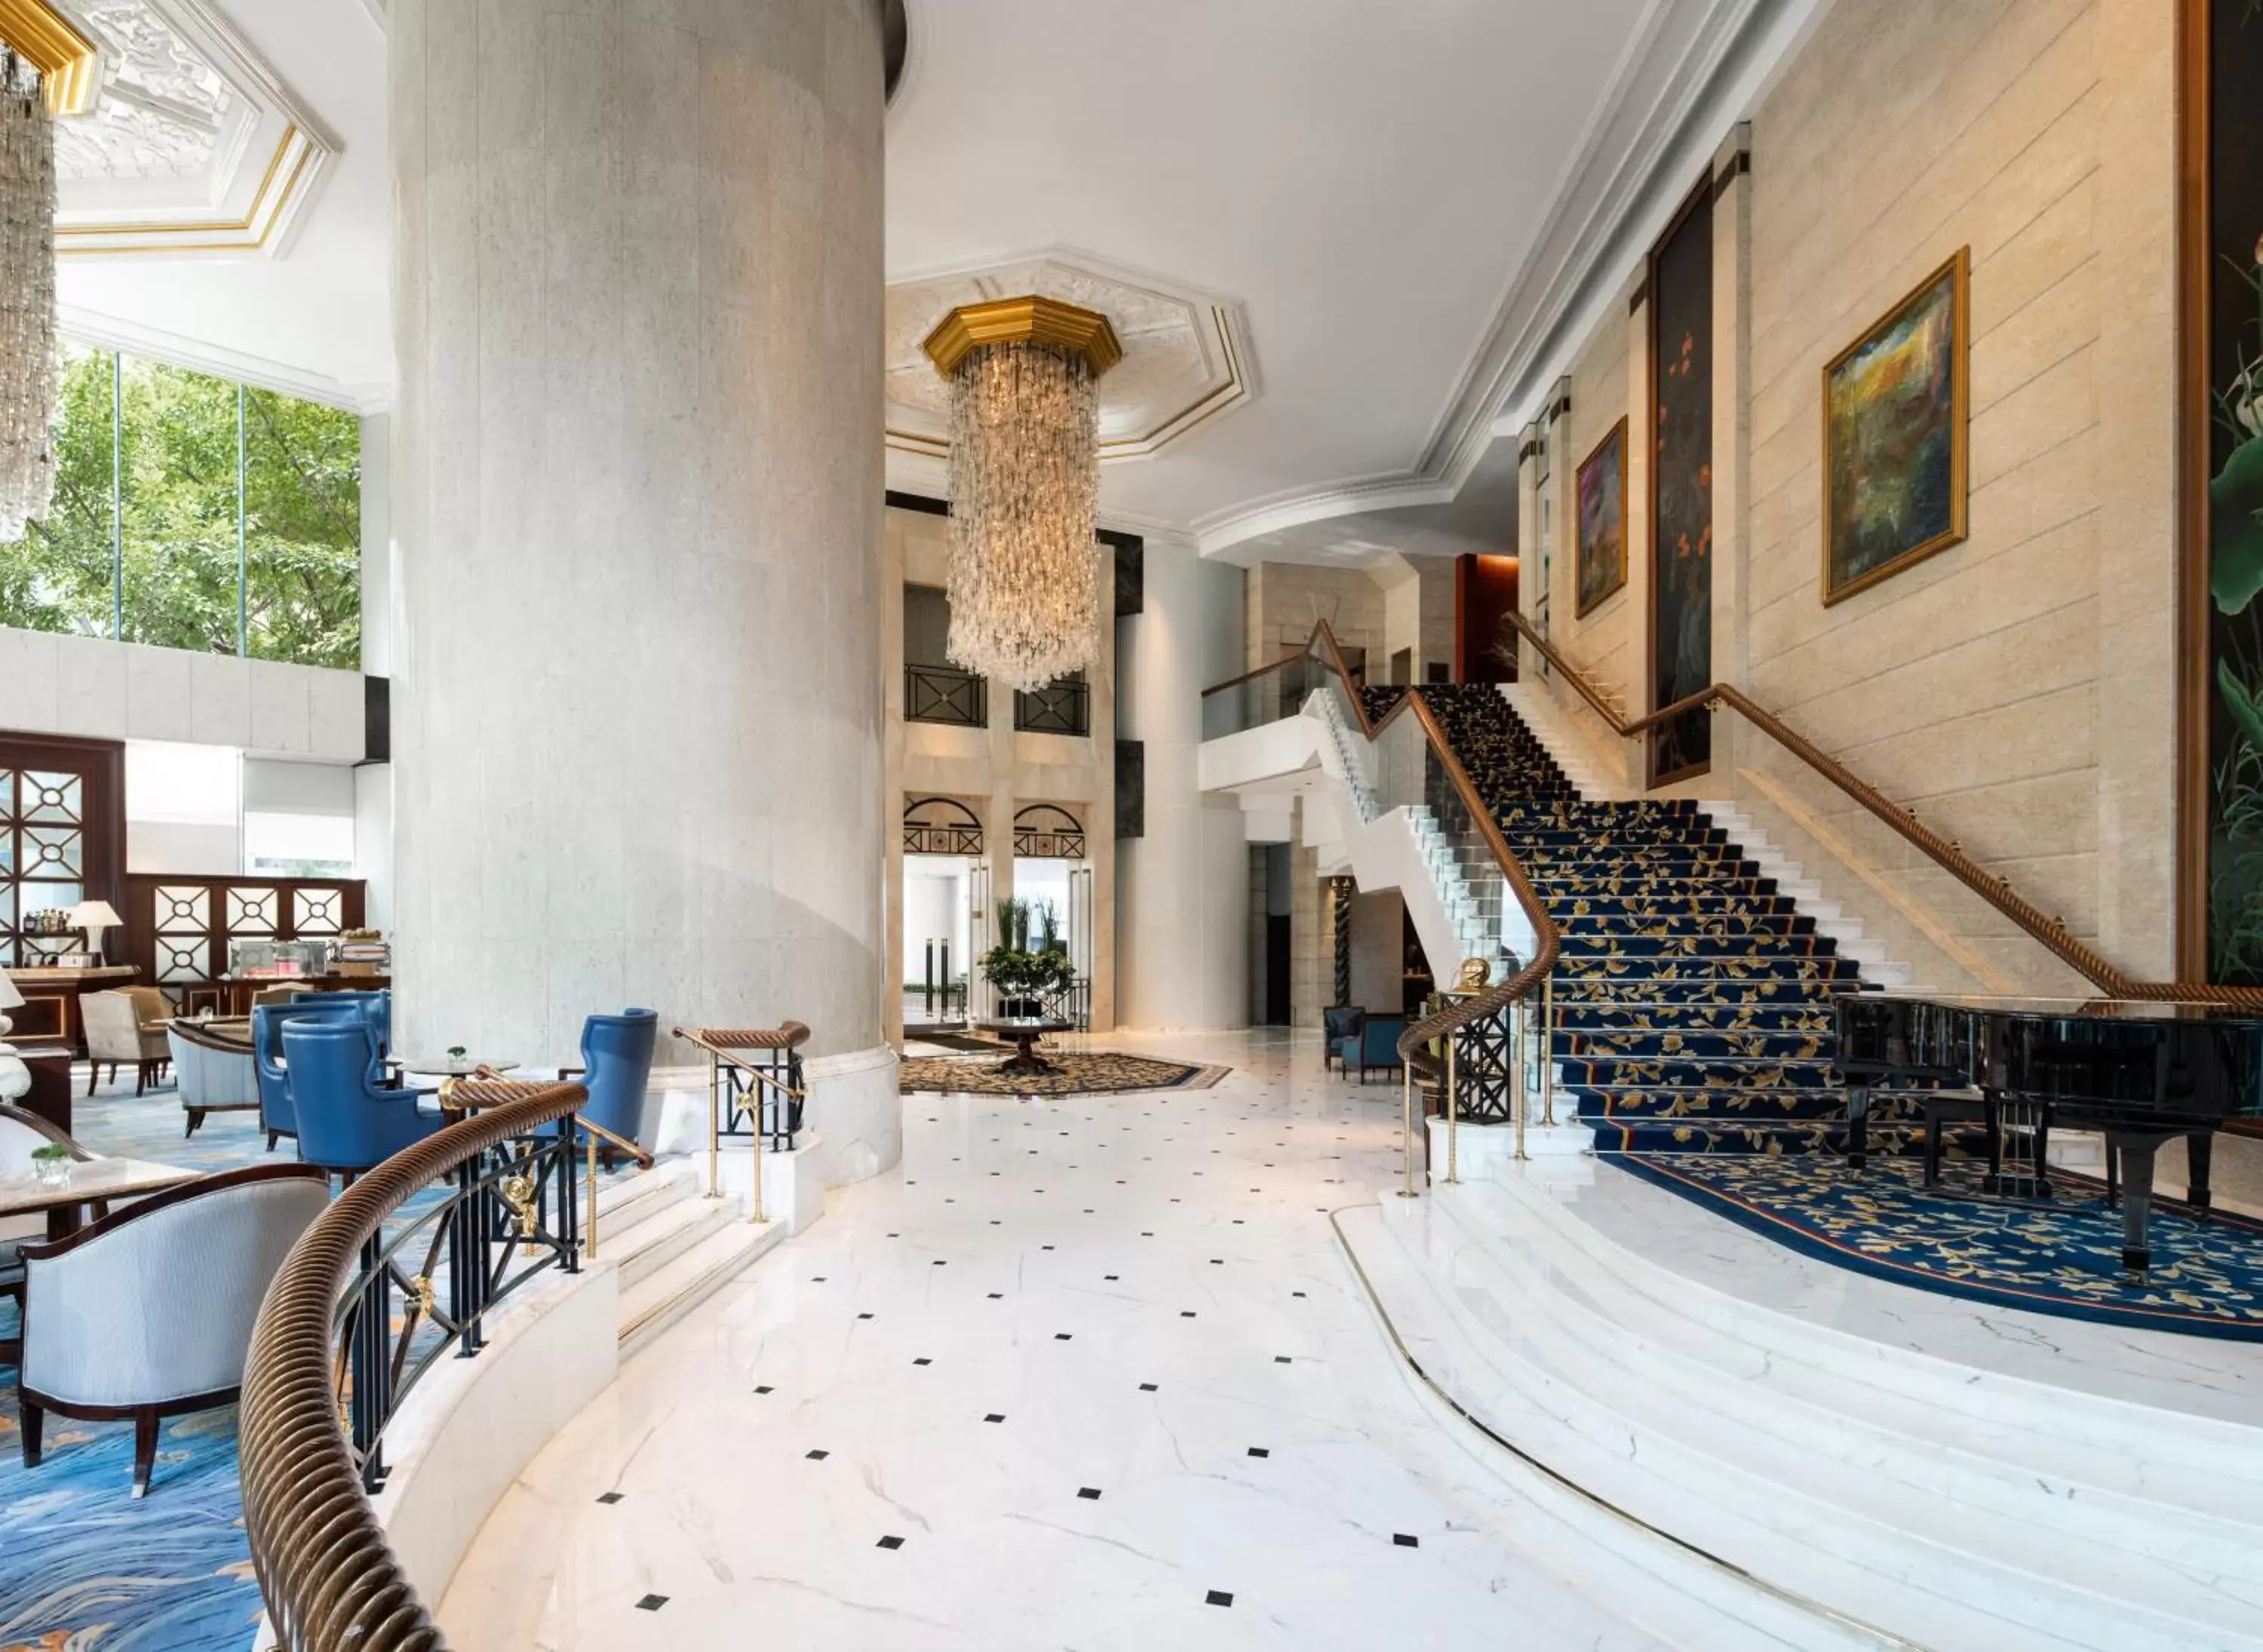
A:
[1378,1044]
[376,1008]
[617,1069]
[349,1121]
[1339,1025]
[277,1115]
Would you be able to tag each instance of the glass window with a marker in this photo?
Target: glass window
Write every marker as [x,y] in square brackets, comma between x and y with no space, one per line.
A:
[61,580]
[302,523]
[193,512]
[178,507]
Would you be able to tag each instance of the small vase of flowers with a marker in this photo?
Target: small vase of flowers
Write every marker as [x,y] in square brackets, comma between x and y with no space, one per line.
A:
[51,1165]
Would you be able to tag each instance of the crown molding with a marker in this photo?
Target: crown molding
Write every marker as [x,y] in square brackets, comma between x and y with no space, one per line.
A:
[109,332]
[1688,74]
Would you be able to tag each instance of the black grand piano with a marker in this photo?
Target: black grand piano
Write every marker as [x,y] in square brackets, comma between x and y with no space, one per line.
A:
[2139,1071]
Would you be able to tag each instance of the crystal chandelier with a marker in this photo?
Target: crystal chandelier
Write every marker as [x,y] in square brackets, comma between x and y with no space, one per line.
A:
[1024,577]
[28,299]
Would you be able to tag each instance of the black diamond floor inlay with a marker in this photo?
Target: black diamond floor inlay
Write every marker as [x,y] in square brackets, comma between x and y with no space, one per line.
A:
[819,1456]
[609,1496]
[652,1603]
[892,1543]
[1404,1541]
[1091,1494]
[995,1417]
[1218,1598]
[1260,1451]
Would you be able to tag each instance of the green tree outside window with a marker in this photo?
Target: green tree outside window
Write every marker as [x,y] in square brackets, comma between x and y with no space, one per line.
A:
[180,526]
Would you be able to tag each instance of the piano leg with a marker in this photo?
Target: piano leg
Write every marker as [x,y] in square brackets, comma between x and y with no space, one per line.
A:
[2200,1148]
[2136,1198]
[1858,1126]
[1991,1115]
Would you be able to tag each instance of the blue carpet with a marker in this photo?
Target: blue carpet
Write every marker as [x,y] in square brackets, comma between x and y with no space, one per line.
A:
[86,1565]
[2062,1258]
[1695,1034]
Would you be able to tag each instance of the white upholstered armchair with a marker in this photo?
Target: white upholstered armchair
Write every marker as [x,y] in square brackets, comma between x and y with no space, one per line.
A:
[212,1074]
[148,1313]
[127,1023]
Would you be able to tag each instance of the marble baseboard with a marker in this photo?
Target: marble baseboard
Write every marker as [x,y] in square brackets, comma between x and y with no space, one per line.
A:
[468,1429]
[854,1104]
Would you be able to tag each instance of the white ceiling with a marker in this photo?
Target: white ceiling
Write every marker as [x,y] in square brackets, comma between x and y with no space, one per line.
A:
[1410,205]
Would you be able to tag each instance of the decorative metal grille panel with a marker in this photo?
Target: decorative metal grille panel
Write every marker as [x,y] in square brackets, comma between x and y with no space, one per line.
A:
[941,826]
[181,957]
[317,911]
[183,906]
[251,911]
[1046,832]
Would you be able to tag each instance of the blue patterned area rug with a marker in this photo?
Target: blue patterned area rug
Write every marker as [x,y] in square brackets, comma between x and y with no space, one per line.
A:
[2064,1257]
[86,1567]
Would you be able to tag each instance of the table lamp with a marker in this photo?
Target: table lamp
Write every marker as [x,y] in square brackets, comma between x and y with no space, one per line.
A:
[94,916]
[10,999]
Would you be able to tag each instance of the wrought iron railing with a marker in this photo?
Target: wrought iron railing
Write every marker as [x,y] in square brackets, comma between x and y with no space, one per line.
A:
[1498,1023]
[329,1364]
[1058,708]
[945,695]
[1946,853]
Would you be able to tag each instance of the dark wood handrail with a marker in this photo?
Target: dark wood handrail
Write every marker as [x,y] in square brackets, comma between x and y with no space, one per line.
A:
[1547,940]
[1944,851]
[328,1575]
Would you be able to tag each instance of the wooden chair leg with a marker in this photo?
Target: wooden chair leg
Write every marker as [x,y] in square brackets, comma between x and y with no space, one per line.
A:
[93,1076]
[273,1136]
[145,1449]
[196,1118]
[29,1418]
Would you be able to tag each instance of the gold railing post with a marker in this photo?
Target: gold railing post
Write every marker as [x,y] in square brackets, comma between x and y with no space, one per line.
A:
[593,1193]
[1407,1127]
[714,1129]
[1517,1107]
[1453,1105]
[1547,1050]
[761,1146]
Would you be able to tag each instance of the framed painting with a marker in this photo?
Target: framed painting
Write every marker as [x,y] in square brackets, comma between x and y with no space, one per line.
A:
[1600,564]
[1896,408]
[1680,618]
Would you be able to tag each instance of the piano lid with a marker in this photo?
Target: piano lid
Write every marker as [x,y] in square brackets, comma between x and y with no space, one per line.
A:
[2166,1010]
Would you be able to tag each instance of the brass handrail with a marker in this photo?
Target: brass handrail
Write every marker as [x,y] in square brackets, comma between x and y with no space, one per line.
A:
[329,1577]
[1538,970]
[1946,853]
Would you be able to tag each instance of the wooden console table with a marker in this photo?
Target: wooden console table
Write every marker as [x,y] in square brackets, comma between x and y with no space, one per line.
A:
[50,1010]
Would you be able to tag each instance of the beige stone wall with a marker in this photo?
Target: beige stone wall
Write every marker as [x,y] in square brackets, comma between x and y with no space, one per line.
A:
[996,771]
[2015,690]
[1286,597]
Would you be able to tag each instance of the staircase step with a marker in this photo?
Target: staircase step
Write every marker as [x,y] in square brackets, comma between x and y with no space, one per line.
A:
[644,1249]
[656,1301]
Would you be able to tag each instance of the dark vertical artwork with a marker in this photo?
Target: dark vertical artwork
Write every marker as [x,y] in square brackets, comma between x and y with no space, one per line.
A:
[2232,323]
[1681,487]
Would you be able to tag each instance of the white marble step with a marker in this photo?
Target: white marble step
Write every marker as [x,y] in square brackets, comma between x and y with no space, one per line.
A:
[2050,1531]
[1535,1382]
[1661,1587]
[2204,1465]
[1670,1591]
[658,1300]
[642,1250]
[636,1198]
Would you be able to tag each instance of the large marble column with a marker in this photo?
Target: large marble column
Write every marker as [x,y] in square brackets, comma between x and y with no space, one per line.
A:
[1182,888]
[637,492]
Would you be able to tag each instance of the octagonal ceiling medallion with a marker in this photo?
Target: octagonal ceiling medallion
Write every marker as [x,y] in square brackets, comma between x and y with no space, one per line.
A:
[186,143]
[1186,355]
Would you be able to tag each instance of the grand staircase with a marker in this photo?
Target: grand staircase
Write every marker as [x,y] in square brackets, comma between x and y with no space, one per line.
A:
[1693,999]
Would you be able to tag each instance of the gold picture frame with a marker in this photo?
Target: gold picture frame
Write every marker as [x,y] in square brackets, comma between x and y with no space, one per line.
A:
[1584,601]
[1946,292]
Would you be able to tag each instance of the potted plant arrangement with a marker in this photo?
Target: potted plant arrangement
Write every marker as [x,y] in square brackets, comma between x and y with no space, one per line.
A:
[51,1164]
[1024,968]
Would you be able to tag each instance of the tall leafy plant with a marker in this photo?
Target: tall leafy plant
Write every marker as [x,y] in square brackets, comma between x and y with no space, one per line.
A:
[1019,970]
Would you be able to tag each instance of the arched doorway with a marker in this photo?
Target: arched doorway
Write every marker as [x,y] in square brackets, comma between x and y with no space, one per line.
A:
[946,905]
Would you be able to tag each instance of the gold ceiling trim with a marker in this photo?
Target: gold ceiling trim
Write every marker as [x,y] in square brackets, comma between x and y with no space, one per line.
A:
[1031,319]
[1230,393]
[49,42]
[165,237]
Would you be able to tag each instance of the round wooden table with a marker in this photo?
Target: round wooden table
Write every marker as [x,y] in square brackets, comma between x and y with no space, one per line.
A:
[1025,1031]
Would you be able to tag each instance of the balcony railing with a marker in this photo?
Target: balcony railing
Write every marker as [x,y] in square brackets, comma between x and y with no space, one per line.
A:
[1058,708]
[945,695]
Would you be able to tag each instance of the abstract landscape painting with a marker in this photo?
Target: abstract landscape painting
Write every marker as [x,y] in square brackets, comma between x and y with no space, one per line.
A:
[1600,566]
[1894,418]
[1682,488]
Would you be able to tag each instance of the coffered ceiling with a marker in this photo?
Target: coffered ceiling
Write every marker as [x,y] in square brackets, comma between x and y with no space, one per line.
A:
[1347,245]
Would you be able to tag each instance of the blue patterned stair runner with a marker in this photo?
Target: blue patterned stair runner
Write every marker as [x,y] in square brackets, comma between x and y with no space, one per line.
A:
[1693,1001]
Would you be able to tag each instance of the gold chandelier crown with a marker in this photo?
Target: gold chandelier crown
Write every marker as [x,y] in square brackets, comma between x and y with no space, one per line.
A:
[1024,581]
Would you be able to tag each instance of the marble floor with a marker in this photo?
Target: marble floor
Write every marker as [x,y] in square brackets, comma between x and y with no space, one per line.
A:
[1086,1374]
